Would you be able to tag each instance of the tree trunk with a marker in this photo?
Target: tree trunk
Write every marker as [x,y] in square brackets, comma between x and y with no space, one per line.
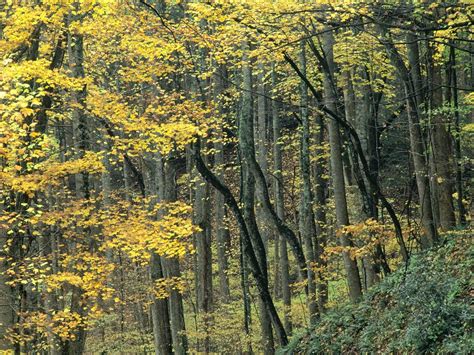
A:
[368,198]
[6,294]
[247,149]
[203,274]
[366,126]
[457,139]
[261,132]
[246,128]
[281,264]
[249,216]
[246,142]
[337,173]
[222,232]
[244,283]
[307,225]
[321,190]
[160,313]
[261,141]
[429,236]
[160,318]
[81,143]
[171,269]
[442,153]
[247,238]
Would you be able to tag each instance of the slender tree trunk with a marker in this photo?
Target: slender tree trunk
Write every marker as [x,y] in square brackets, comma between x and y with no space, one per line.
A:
[415,92]
[82,182]
[457,140]
[202,211]
[261,130]
[246,142]
[249,215]
[222,232]
[442,153]
[159,308]
[171,269]
[321,228]
[246,127]
[368,202]
[244,283]
[282,266]
[337,173]
[261,145]
[247,149]
[248,239]
[307,225]
[6,295]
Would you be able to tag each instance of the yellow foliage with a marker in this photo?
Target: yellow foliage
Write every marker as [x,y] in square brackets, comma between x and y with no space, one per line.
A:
[365,235]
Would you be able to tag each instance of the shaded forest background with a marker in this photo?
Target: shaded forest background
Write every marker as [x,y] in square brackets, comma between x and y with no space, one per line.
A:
[235,176]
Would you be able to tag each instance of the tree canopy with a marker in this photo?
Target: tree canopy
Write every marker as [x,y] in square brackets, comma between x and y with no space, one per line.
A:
[216,176]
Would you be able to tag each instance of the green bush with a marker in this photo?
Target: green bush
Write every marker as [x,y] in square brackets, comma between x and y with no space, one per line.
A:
[423,308]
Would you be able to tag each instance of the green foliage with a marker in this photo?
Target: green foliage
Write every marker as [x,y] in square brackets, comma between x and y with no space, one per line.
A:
[423,308]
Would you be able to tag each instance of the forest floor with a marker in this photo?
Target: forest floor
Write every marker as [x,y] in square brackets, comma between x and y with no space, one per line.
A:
[423,308]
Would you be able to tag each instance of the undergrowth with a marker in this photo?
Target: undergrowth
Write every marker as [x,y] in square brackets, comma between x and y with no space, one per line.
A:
[425,307]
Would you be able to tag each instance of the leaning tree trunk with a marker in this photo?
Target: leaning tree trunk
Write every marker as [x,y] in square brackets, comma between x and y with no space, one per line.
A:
[222,232]
[247,149]
[261,145]
[248,195]
[248,238]
[246,140]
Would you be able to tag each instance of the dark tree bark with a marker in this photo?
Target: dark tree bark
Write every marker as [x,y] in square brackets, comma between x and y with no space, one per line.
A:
[203,274]
[320,213]
[160,319]
[368,202]
[282,266]
[171,269]
[355,141]
[457,135]
[81,134]
[429,236]
[160,314]
[306,216]
[442,151]
[251,258]
[337,173]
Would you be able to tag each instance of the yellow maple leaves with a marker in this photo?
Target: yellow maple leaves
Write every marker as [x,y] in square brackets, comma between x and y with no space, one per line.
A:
[163,287]
[365,236]
[139,232]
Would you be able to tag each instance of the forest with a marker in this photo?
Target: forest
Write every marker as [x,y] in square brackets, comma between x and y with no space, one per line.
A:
[236,176]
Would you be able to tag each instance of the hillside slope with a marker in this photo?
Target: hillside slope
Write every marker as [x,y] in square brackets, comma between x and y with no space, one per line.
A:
[426,307]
